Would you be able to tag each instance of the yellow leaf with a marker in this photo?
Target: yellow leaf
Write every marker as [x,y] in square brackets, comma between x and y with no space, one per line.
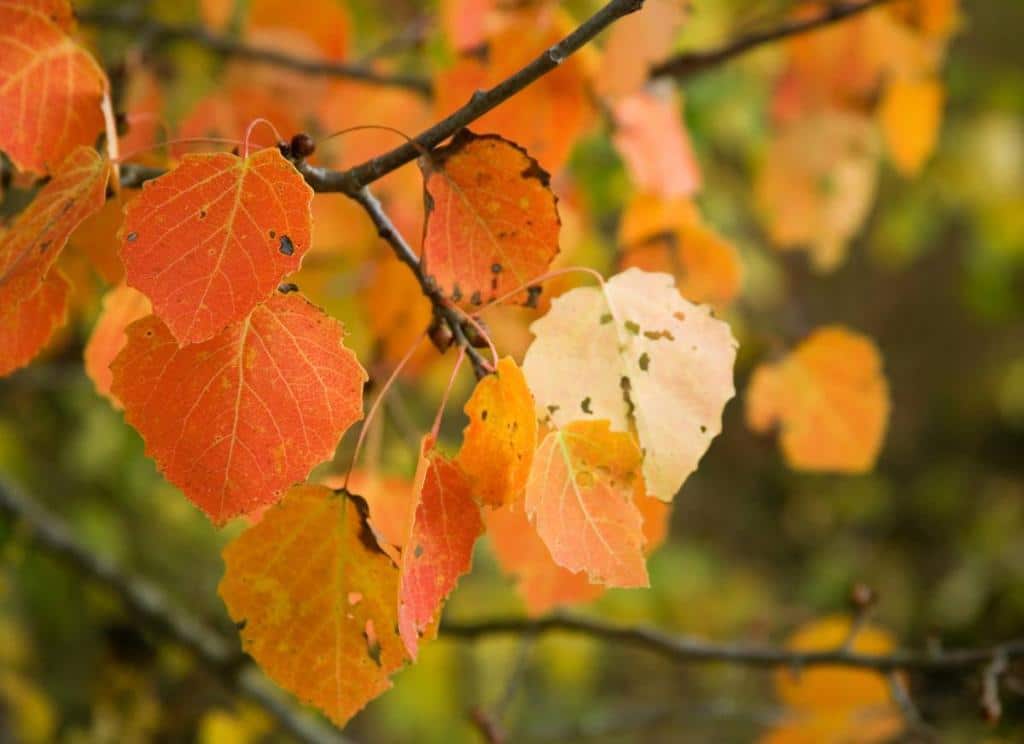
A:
[498,444]
[831,399]
[911,114]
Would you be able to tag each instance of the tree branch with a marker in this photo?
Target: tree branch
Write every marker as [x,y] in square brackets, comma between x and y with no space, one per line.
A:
[688,64]
[695,650]
[387,230]
[350,181]
[141,25]
[153,608]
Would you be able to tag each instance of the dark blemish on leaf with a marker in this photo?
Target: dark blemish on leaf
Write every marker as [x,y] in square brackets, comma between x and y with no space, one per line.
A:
[606,319]
[418,551]
[483,415]
[678,315]
[149,334]
[585,405]
[273,234]
[132,237]
[645,361]
[202,214]
[475,298]
[533,295]
[655,335]
[287,247]
[632,327]
[44,245]
[626,389]
[552,409]
[496,268]
[240,625]
[703,429]
[372,644]
[287,288]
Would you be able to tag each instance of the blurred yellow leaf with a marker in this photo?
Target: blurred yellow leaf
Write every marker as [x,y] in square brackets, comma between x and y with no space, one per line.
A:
[831,399]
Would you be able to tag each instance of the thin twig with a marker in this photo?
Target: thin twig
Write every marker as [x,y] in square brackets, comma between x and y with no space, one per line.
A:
[387,230]
[688,64]
[687,649]
[159,614]
[157,32]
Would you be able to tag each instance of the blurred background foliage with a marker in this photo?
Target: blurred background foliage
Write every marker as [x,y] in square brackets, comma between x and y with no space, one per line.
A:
[936,277]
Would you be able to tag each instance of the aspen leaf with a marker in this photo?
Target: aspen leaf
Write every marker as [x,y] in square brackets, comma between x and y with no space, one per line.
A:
[96,238]
[639,355]
[911,114]
[636,42]
[29,249]
[580,495]
[122,306]
[837,704]
[50,88]
[492,221]
[542,583]
[817,182]
[651,137]
[212,238]
[235,420]
[497,446]
[829,397]
[316,600]
[26,327]
[438,550]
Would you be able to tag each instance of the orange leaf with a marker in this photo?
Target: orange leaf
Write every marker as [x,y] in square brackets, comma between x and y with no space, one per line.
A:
[653,141]
[497,446]
[96,239]
[122,306]
[492,222]
[397,313]
[837,704]
[439,546]
[325,22]
[830,398]
[636,42]
[670,237]
[315,598]
[50,88]
[214,237]
[911,114]
[38,235]
[235,420]
[639,355]
[27,326]
[581,497]
[548,116]
[543,584]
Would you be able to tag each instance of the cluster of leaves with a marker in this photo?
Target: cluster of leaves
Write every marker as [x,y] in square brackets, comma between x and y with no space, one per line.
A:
[240,385]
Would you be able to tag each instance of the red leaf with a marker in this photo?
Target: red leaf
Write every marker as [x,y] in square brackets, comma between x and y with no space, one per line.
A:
[27,326]
[50,88]
[439,548]
[234,420]
[214,237]
[493,224]
[30,247]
